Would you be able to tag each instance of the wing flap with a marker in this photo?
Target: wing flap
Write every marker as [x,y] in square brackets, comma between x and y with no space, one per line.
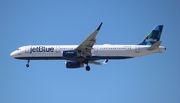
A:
[94,62]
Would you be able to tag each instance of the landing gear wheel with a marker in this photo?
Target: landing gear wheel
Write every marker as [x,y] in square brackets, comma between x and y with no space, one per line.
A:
[87,68]
[27,65]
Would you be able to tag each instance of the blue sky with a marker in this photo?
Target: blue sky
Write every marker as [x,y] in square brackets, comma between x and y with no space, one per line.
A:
[149,79]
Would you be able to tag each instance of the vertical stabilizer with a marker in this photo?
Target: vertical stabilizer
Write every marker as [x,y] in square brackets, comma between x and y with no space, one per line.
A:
[153,36]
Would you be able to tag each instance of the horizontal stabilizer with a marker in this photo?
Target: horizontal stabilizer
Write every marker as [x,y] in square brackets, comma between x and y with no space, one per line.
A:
[155,45]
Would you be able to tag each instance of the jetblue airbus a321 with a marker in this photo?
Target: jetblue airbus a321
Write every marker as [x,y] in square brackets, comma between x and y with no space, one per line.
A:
[86,53]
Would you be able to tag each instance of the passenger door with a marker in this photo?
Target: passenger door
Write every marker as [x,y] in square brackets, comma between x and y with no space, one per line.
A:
[27,49]
[137,49]
[58,49]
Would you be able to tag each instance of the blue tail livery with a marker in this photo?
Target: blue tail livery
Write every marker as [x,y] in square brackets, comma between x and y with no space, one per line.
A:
[153,36]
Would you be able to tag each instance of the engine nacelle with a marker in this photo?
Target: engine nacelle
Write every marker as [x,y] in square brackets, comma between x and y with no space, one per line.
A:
[74,64]
[69,54]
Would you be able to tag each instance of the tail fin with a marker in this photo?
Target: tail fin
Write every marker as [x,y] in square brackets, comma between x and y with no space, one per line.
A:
[153,36]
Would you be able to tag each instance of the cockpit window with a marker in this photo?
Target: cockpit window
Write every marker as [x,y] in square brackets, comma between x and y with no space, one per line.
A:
[18,49]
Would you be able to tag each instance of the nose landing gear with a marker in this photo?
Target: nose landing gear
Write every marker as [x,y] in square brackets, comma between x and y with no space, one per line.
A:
[27,65]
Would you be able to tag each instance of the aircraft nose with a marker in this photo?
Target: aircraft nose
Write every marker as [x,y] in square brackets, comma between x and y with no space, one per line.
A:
[12,54]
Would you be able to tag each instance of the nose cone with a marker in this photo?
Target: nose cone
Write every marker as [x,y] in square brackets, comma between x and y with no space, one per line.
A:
[12,54]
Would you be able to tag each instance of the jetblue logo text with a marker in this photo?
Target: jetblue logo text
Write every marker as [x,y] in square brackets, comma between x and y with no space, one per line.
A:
[41,49]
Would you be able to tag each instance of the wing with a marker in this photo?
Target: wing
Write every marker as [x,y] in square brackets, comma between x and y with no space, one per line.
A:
[85,47]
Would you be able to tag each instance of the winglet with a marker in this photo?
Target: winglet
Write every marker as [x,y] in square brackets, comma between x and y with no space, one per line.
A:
[155,45]
[99,27]
[105,61]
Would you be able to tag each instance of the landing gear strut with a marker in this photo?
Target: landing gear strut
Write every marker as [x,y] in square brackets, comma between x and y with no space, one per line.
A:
[27,65]
[87,67]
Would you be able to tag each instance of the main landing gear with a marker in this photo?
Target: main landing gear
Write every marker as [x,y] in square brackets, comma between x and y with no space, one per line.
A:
[87,67]
[27,65]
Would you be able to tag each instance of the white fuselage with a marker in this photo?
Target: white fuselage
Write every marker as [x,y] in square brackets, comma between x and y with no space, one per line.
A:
[87,52]
[54,52]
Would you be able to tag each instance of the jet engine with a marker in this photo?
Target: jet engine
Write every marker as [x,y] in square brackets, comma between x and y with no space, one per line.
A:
[70,54]
[74,64]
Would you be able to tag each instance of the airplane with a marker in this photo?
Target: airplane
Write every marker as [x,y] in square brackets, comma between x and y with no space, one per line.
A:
[86,53]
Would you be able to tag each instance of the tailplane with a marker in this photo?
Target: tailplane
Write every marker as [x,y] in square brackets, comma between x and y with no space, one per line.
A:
[154,46]
[154,36]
